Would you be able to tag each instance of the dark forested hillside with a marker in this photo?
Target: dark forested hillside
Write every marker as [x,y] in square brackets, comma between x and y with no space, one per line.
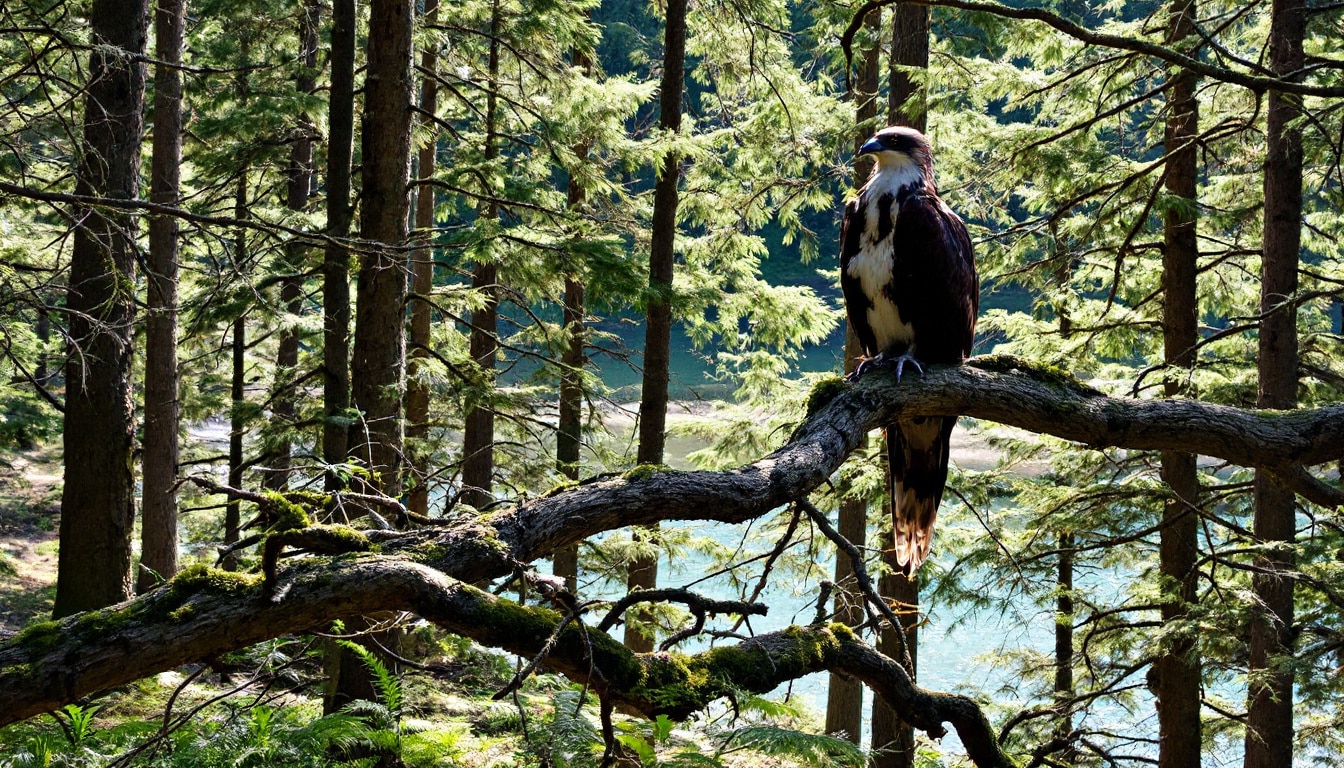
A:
[460,383]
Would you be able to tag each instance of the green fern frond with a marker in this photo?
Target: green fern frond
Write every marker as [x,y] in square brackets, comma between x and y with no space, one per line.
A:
[806,748]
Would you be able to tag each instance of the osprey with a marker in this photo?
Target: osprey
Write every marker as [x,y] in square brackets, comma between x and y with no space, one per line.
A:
[912,296]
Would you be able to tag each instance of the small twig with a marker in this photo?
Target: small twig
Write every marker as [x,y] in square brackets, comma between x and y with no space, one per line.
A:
[823,598]
[684,596]
[861,576]
[780,546]
[608,732]
[536,661]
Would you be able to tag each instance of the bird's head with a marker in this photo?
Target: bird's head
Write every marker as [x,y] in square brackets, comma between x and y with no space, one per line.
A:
[898,147]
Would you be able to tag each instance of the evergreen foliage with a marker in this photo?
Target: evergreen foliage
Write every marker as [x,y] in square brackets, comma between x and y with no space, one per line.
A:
[1053,149]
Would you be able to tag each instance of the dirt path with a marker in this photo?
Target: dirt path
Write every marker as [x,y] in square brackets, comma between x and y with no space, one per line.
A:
[30,505]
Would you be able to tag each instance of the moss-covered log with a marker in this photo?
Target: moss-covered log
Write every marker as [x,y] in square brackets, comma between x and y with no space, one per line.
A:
[205,612]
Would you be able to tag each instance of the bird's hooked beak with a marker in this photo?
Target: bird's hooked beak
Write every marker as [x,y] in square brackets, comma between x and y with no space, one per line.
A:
[870,147]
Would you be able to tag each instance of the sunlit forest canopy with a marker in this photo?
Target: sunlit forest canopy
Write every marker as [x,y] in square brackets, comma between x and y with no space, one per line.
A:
[415,382]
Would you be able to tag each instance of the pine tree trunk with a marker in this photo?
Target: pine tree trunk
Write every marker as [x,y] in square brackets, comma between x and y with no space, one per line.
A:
[1269,719]
[377,371]
[658,323]
[336,259]
[98,499]
[422,283]
[569,432]
[1064,641]
[299,183]
[238,384]
[158,527]
[569,437]
[906,106]
[1178,670]
[478,439]
[844,695]
[379,354]
[233,521]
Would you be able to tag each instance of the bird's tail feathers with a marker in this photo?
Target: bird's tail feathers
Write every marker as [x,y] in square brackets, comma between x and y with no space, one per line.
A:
[917,457]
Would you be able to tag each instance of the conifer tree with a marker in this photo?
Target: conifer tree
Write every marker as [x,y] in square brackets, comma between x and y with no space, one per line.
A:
[336,256]
[1269,716]
[98,498]
[422,281]
[569,427]
[379,351]
[298,189]
[653,400]
[159,538]
[1178,669]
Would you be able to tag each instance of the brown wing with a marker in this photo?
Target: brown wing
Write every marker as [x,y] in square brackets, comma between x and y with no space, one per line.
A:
[934,283]
[936,289]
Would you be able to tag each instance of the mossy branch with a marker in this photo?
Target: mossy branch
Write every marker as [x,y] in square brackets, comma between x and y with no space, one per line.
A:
[205,612]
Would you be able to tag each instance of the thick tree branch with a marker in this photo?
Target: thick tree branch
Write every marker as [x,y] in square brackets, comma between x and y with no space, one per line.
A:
[1256,83]
[206,612]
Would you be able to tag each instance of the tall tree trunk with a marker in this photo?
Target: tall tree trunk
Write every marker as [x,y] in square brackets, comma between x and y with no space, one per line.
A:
[379,355]
[377,371]
[569,438]
[478,438]
[569,433]
[299,184]
[1269,718]
[422,285]
[1178,669]
[658,326]
[909,48]
[238,384]
[158,523]
[844,695]
[98,498]
[336,259]
[1064,640]
[233,520]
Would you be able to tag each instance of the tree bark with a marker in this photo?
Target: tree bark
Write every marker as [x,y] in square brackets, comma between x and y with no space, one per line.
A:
[377,380]
[1269,717]
[569,430]
[158,527]
[98,500]
[906,106]
[422,282]
[1064,642]
[233,519]
[1178,669]
[653,397]
[478,439]
[907,100]
[378,360]
[336,259]
[298,189]
[231,612]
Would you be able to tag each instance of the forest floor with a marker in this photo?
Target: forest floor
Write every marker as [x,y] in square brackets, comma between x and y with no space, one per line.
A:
[30,509]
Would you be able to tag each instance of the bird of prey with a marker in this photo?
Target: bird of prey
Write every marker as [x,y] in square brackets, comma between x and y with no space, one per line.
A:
[912,296]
